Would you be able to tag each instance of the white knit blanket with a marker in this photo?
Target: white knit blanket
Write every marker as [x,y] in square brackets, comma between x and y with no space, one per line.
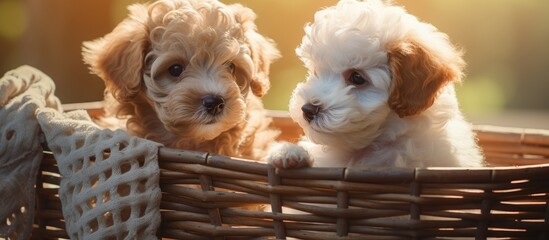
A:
[109,180]
[22,92]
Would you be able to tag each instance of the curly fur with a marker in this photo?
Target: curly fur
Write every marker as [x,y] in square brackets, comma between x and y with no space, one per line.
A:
[208,39]
[406,114]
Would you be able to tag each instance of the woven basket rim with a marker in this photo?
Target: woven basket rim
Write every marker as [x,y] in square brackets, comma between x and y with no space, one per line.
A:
[374,175]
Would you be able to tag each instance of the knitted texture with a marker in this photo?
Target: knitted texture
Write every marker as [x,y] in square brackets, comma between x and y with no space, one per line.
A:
[109,186]
[22,91]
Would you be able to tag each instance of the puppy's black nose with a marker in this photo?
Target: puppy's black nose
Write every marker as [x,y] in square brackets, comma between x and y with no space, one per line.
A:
[309,111]
[213,104]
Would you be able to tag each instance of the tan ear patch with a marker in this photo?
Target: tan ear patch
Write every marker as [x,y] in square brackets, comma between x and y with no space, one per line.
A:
[418,75]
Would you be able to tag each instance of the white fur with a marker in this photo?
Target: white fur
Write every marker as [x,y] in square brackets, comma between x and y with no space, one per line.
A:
[357,126]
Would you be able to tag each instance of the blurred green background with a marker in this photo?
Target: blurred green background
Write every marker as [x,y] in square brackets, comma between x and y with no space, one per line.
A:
[506,44]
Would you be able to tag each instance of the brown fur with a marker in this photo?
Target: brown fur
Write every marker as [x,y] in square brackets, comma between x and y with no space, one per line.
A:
[418,75]
[204,36]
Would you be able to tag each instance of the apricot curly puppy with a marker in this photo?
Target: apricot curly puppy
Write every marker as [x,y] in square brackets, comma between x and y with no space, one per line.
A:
[189,74]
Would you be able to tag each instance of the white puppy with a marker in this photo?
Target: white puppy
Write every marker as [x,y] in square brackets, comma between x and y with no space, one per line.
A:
[379,93]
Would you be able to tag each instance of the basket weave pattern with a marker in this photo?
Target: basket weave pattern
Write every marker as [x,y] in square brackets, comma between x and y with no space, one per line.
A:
[206,196]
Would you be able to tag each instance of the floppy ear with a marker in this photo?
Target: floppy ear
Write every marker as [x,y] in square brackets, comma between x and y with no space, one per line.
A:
[118,57]
[418,73]
[263,50]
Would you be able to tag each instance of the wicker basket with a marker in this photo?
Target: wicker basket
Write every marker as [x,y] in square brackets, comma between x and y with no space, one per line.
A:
[208,196]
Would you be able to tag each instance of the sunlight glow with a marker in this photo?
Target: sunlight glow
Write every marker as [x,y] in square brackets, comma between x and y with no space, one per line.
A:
[12,19]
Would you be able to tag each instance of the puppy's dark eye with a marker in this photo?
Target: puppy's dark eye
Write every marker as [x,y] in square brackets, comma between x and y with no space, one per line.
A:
[176,70]
[231,67]
[356,78]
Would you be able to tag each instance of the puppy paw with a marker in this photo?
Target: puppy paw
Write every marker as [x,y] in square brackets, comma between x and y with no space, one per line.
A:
[288,155]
